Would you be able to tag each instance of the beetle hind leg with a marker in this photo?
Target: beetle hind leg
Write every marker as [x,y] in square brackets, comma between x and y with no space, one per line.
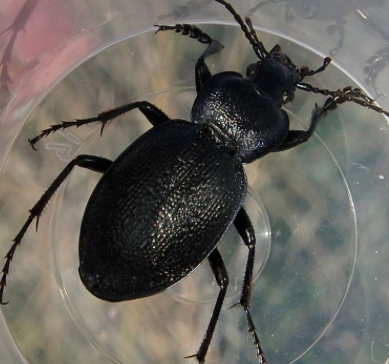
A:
[93,163]
[221,275]
[246,231]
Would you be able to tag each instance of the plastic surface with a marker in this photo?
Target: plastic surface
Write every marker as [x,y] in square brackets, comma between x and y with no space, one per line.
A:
[320,210]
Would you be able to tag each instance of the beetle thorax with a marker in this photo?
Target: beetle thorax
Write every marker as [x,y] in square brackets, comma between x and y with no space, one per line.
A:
[249,119]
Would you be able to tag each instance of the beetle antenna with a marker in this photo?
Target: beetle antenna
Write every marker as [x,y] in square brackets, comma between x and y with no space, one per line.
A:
[305,71]
[348,94]
[251,36]
[261,47]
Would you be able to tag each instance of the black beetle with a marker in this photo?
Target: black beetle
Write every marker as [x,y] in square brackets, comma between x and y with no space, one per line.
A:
[164,204]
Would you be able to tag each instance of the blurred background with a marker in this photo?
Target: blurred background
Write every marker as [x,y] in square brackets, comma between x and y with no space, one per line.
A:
[320,210]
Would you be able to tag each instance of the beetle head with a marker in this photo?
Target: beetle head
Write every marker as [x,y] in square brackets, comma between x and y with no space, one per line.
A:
[276,75]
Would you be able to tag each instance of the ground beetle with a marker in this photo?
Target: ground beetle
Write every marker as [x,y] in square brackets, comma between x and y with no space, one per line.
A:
[164,204]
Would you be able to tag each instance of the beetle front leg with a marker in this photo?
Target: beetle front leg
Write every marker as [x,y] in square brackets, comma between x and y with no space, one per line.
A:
[202,72]
[93,163]
[245,229]
[338,97]
[150,111]
[221,275]
[296,137]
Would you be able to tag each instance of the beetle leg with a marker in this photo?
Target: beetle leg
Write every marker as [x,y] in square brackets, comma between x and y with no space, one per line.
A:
[296,137]
[150,111]
[93,163]
[348,94]
[221,275]
[246,231]
[202,72]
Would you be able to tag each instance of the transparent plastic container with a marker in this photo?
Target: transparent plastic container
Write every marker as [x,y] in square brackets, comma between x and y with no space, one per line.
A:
[320,210]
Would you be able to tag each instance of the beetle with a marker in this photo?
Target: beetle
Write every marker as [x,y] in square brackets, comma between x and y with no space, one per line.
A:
[161,208]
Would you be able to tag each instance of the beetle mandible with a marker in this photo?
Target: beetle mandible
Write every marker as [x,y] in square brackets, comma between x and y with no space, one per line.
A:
[161,208]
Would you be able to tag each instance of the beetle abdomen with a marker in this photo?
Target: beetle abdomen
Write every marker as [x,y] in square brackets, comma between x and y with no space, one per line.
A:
[158,212]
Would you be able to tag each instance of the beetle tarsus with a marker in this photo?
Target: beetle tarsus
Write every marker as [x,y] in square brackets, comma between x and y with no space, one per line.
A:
[253,332]
[245,229]
[187,29]
[202,72]
[8,257]
[199,359]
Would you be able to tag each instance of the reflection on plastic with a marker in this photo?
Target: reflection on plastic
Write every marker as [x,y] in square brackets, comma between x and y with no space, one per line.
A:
[333,11]
[18,25]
